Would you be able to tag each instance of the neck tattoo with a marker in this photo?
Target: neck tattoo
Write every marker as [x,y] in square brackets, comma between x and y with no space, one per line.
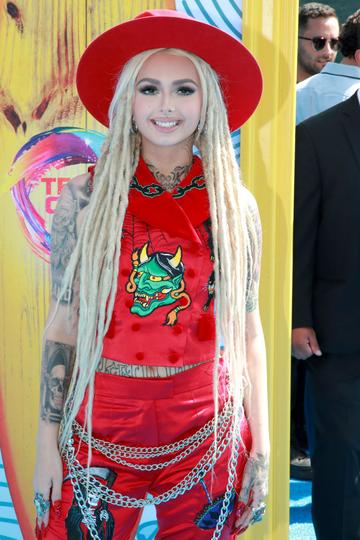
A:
[169,182]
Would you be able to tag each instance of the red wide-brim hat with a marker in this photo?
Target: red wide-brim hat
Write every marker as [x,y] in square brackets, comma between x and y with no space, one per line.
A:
[103,60]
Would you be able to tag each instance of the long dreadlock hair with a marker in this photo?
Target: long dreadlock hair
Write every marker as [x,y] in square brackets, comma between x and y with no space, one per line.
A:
[96,256]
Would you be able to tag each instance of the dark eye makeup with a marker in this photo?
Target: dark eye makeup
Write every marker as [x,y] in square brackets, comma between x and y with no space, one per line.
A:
[148,89]
[151,89]
[185,90]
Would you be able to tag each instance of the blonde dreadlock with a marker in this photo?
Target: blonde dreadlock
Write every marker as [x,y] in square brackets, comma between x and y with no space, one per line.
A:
[96,256]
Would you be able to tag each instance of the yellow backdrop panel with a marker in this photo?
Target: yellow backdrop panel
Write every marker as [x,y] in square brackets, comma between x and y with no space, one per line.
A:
[40,45]
[267,161]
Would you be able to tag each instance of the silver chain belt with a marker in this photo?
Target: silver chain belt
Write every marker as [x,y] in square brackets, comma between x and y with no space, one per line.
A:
[117,452]
[229,427]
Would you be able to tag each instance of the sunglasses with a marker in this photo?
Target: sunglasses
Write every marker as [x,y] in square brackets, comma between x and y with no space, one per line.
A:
[320,42]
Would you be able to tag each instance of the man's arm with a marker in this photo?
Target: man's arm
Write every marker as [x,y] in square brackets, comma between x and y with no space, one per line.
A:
[306,221]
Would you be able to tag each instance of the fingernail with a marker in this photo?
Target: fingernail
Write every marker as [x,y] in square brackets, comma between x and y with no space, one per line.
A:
[240,508]
[239,530]
[57,508]
[37,532]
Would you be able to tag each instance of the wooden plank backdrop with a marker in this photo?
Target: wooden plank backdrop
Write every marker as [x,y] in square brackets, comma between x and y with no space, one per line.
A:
[40,44]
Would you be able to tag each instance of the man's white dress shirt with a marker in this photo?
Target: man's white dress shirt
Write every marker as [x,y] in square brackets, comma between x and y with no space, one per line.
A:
[334,83]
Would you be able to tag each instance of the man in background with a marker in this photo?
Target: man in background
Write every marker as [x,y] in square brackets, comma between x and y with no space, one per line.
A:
[318,38]
[335,82]
[326,309]
[318,44]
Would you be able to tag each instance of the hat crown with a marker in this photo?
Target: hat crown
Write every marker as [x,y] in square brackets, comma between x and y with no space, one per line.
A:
[163,13]
[104,59]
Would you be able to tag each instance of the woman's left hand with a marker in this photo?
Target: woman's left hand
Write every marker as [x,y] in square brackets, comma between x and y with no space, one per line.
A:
[250,507]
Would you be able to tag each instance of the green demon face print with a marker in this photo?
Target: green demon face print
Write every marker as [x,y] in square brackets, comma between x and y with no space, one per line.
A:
[157,280]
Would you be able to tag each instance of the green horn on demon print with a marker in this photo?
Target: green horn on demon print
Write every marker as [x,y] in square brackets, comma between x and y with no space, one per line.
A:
[157,280]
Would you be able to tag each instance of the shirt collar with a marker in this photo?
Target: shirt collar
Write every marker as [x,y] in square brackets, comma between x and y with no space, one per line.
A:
[343,70]
[178,212]
[144,178]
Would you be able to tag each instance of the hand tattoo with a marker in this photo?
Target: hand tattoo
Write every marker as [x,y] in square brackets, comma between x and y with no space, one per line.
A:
[255,477]
[57,367]
[258,463]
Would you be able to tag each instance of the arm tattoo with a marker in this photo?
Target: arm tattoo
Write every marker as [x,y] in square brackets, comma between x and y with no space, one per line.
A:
[168,182]
[84,193]
[57,367]
[252,290]
[64,234]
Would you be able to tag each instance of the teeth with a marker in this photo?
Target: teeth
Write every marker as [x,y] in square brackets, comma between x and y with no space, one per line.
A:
[166,124]
[164,291]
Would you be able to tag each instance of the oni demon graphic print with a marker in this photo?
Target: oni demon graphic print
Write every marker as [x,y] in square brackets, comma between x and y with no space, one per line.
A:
[157,280]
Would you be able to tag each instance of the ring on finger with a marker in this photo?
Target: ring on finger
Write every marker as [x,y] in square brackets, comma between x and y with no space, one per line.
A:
[258,513]
[41,505]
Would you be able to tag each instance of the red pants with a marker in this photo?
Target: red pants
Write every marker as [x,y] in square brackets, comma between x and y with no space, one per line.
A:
[151,412]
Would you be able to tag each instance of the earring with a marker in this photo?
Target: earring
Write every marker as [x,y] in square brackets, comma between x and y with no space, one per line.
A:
[134,129]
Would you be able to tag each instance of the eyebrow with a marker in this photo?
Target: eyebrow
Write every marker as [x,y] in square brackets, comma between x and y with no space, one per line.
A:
[178,81]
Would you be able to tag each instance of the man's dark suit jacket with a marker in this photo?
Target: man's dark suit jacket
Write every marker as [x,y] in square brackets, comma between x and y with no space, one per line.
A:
[326,279]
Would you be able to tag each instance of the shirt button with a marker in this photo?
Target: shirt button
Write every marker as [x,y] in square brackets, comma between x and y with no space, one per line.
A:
[135,327]
[191,273]
[139,356]
[177,329]
[173,357]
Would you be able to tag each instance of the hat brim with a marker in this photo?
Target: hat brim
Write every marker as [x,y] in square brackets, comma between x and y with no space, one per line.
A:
[104,58]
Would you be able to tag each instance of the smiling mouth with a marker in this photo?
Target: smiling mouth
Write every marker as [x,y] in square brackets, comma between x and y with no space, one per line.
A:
[166,123]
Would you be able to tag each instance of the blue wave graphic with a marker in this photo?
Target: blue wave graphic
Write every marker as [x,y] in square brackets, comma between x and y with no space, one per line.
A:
[9,526]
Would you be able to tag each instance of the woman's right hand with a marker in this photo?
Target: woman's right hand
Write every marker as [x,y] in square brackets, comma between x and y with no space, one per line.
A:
[48,472]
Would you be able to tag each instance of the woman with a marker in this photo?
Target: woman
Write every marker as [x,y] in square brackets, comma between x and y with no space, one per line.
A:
[142,248]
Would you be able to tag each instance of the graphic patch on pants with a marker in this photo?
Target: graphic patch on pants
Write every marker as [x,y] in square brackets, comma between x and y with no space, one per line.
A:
[208,517]
[77,524]
[157,280]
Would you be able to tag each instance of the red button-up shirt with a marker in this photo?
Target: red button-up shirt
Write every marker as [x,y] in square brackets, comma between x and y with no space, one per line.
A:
[164,308]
